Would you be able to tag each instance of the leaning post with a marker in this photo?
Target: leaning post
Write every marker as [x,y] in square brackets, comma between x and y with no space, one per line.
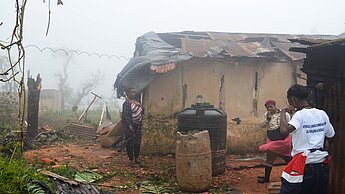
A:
[34,90]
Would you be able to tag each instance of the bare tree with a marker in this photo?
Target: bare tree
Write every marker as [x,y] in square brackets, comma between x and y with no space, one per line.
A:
[17,65]
[88,86]
[7,84]
[63,84]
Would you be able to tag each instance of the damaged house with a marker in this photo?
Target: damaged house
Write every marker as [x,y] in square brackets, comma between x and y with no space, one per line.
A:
[325,69]
[236,72]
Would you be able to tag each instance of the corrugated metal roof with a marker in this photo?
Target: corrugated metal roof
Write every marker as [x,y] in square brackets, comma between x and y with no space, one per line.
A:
[265,48]
[202,47]
[212,44]
[238,44]
[227,36]
[284,47]
[242,49]
[272,37]
[240,37]
[209,48]
[284,37]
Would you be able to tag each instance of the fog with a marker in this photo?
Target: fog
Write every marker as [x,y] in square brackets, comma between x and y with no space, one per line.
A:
[111,27]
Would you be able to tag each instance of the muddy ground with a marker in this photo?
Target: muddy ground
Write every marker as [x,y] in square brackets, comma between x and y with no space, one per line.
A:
[124,178]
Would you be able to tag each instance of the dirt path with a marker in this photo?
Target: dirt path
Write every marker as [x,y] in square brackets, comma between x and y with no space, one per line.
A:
[123,177]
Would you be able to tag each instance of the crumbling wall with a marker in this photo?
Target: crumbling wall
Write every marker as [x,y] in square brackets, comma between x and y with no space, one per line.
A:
[177,89]
[50,100]
[272,73]
[164,94]
[239,87]
[202,76]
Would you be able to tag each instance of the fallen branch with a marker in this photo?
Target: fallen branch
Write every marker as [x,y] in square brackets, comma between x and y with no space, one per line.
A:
[64,179]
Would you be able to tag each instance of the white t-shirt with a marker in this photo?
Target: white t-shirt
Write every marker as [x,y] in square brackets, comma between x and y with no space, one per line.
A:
[312,125]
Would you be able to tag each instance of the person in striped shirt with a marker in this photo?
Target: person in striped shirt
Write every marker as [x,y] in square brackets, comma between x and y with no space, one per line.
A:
[132,115]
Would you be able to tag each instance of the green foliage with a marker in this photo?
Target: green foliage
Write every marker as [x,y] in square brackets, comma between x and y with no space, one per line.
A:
[10,142]
[66,171]
[37,188]
[12,148]
[87,176]
[150,188]
[8,109]
[16,176]
[4,129]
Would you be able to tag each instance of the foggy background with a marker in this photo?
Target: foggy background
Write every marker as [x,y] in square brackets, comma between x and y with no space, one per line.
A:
[111,27]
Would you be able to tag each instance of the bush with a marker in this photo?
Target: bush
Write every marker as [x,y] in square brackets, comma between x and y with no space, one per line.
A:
[8,109]
[16,176]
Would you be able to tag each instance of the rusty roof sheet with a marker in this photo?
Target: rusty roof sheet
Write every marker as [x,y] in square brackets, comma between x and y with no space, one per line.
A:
[227,36]
[205,48]
[265,48]
[214,44]
[284,37]
[275,37]
[202,47]
[242,49]
[284,47]
[240,37]
[211,48]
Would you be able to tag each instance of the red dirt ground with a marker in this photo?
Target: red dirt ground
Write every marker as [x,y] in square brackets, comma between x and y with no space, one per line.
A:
[114,163]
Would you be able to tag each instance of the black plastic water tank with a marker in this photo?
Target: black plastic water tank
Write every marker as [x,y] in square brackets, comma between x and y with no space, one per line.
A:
[215,121]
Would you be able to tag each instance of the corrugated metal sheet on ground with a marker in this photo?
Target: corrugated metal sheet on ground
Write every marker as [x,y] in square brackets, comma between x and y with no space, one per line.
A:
[63,187]
[82,131]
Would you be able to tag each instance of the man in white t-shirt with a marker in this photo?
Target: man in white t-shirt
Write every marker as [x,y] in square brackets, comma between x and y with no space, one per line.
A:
[308,170]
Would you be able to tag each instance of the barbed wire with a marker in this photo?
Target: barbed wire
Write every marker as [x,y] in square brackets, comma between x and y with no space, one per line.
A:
[77,52]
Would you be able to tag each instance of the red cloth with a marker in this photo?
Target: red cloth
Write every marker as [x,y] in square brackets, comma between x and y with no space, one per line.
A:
[270,102]
[296,165]
[281,147]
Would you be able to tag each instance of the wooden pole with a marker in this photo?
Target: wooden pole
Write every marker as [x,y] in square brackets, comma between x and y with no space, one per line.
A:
[93,100]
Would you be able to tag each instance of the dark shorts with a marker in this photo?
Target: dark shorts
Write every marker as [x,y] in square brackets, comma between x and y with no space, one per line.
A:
[315,181]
